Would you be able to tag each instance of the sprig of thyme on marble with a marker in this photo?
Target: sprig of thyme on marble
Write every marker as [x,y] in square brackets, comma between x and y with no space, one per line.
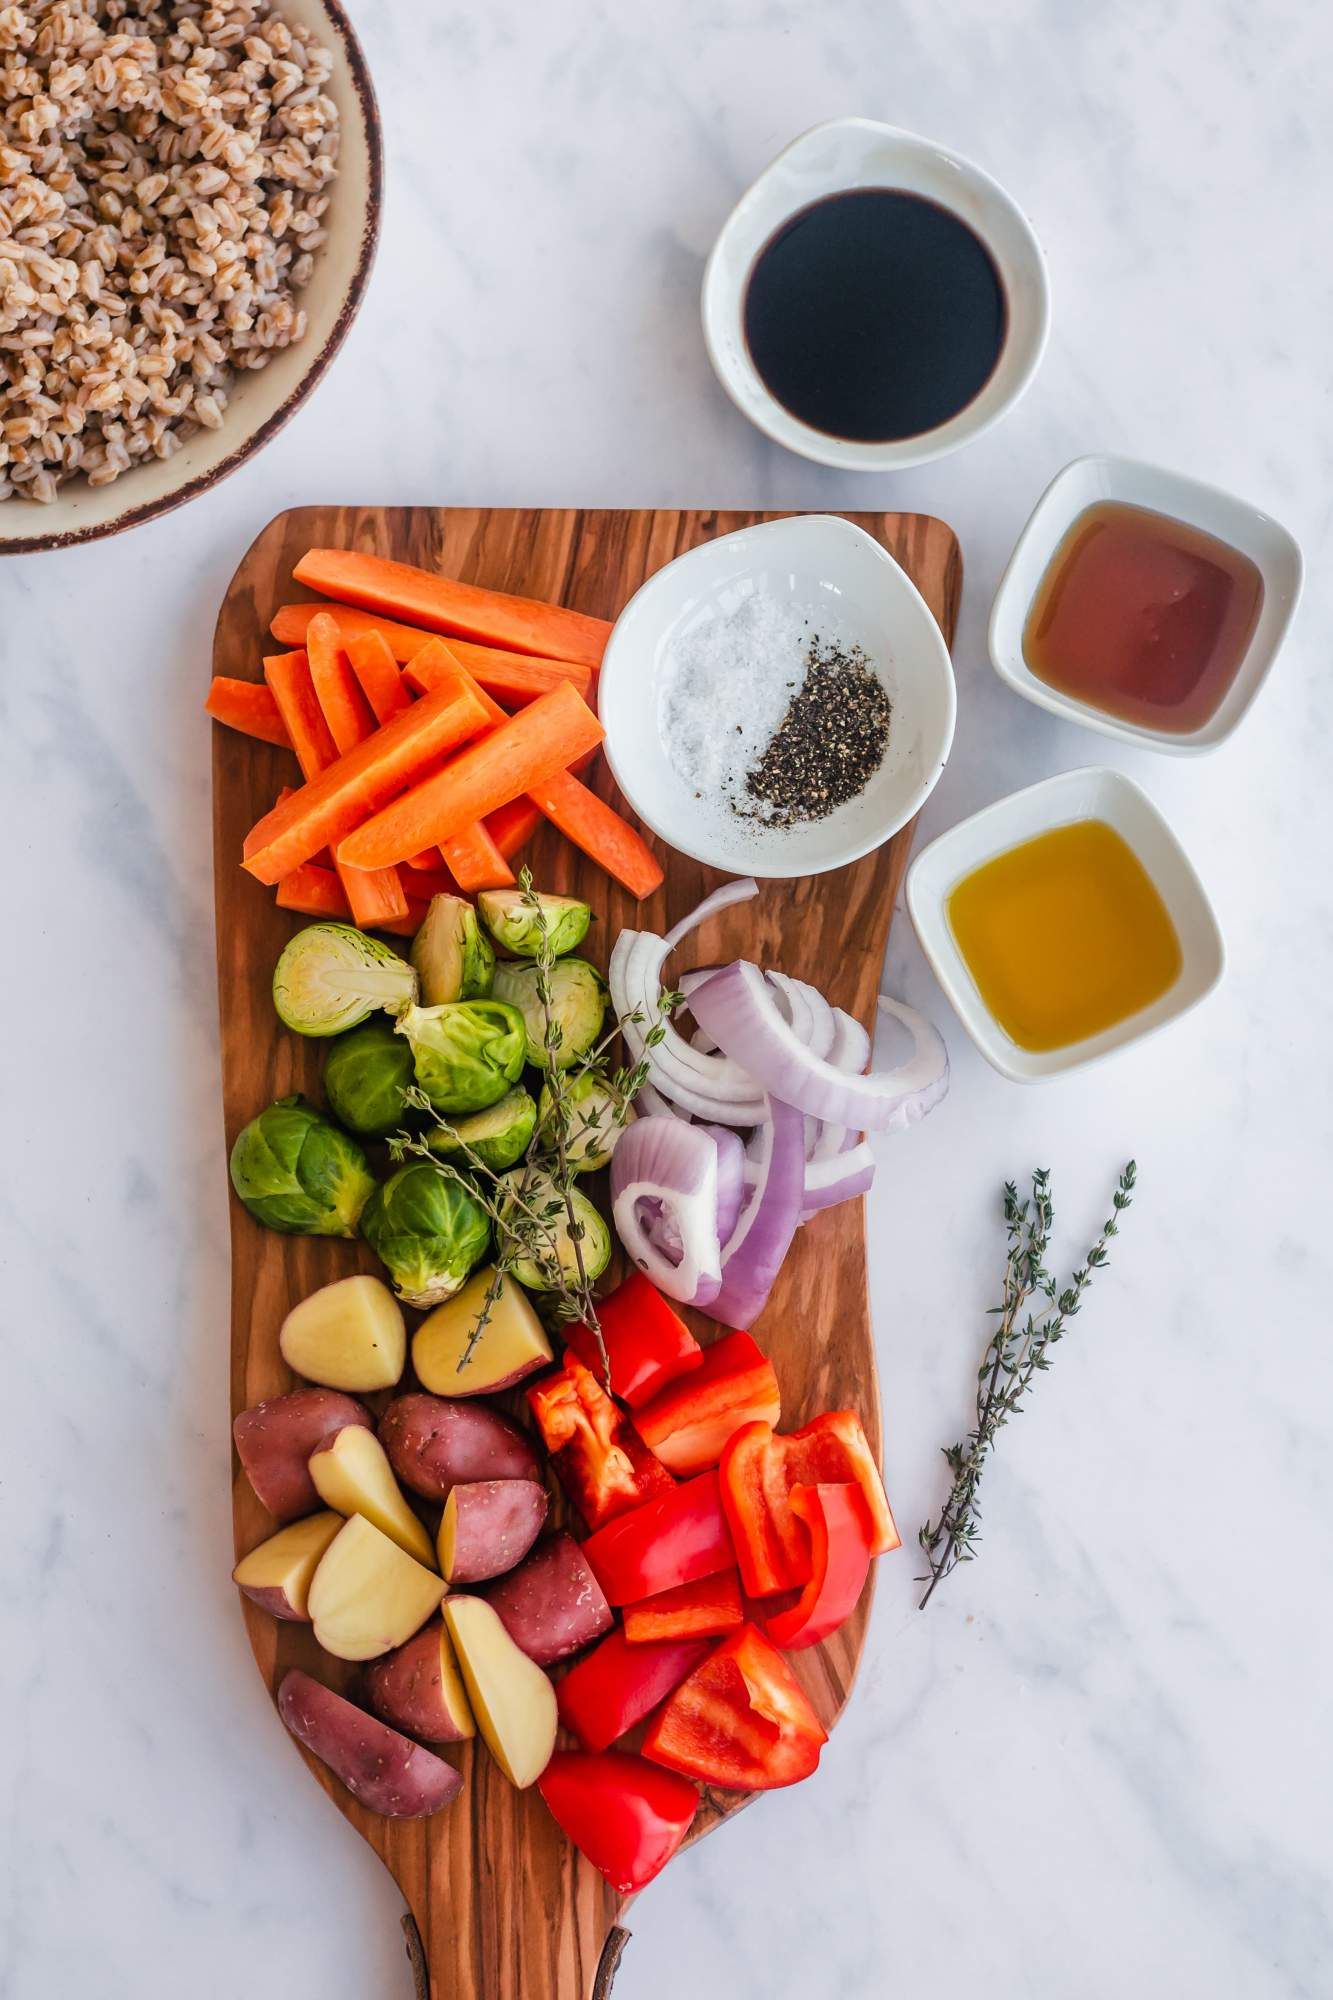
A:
[529,1204]
[1019,1350]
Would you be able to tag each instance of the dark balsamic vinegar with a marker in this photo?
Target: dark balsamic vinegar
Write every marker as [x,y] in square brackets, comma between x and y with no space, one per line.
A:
[875,315]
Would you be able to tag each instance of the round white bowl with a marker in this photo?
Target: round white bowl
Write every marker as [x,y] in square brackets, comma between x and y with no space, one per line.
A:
[850,588]
[860,153]
[260,403]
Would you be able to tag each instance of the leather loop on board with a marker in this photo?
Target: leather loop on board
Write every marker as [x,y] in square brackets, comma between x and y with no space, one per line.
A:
[612,1953]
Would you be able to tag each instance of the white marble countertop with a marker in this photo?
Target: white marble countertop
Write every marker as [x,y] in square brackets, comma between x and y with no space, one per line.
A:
[1098,1765]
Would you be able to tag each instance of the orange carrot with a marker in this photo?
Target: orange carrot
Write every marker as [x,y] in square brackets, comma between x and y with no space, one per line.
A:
[474,860]
[288,677]
[599,830]
[376,896]
[510,677]
[445,605]
[423,883]
[249,707]
[527,748]
[513,826]
[315,891]
[346,709]
[329,807]
[291,621]
[376,669]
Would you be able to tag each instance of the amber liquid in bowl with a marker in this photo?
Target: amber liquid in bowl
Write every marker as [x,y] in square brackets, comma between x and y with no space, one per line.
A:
[1144,617]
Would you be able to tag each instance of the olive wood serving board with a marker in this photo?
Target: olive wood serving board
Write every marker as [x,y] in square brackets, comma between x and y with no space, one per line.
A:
[502,1907]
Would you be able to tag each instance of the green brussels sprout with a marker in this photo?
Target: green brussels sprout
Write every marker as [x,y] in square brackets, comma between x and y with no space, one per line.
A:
[497,1136]
[509,916]
[546,1255]
[596,1116]
[427,1230]
[295,1171]
[578,1007]
[331,977]
[465,1053]
[365,1075]
[454,958]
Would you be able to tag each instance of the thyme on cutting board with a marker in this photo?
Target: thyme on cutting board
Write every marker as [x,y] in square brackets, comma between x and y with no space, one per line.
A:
[1018,1351]
[531,1204]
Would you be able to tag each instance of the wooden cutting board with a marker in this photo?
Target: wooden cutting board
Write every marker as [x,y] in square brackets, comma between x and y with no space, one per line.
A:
[501,1906]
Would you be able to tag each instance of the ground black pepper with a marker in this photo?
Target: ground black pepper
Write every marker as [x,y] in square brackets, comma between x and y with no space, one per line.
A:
[829,744]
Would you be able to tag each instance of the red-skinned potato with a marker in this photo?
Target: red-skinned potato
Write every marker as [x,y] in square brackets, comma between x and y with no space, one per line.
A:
[368,1595]
[385,1771]
[274,1442]
[489,1526]
[276,1576]
[435,1444]
[515,1343]
[552,1604]
[512,1699]
[420,1689]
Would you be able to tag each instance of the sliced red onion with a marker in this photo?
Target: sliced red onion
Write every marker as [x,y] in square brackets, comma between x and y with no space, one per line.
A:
[709,1086]
[649,1101]
[840,1177]
[730,1178]
[753,1257]
[739,1011]
[664,1203]
[739,891]
[806,1012]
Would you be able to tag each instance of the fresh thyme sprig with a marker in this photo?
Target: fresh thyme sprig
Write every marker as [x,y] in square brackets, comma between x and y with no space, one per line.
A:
[1018,1351]
[529,1206]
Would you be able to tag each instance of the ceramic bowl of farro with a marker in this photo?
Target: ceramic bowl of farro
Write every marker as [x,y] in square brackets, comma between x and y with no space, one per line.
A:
[189,205]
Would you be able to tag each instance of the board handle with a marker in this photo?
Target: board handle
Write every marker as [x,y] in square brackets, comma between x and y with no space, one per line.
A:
[612,1953]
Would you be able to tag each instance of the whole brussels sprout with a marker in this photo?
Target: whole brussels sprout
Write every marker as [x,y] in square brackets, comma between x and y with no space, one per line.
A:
[332,976]
[541,1235]
[595,1118]
[295,1171]
[466,1053]
[454,958]
[427,1230]
[510,917]
[365,1075]
[578,1007]
[497,1136]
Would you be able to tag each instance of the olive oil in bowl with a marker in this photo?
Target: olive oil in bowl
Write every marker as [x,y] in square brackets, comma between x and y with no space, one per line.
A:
[1064,935]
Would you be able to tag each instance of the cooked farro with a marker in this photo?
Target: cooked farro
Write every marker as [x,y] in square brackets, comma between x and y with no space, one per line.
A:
[163,177]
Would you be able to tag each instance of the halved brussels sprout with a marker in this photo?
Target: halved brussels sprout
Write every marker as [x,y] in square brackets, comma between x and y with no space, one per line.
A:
[295,1171]
[466,1053]
[452,954]
[331,977]
[512,921]
[578,1007]
[365,1075]
[596,1117]
[497,1136]
[540,1233]
[427,1230]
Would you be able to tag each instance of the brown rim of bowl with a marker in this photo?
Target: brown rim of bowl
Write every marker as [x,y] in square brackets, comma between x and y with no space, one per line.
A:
[134,517]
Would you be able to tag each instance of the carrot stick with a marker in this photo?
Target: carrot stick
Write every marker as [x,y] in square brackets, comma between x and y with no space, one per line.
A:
[474,860]
[315,891]
[599,830]
[376,670]
[249,707]
[513,826]
[511,677]
[445,605]
[346,709]
[376,896]
[530,746]
[423,883]
[329,806]
[288,677]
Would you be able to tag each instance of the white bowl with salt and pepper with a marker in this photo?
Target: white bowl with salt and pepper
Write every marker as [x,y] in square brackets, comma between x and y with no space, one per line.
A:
[700,673]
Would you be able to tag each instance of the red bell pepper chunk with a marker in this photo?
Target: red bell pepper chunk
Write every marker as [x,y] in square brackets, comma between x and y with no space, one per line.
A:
[647,1344]
[757,1473]
[697,1610]
[603,1463]
[742,1720]
[617,1684]
[626,1815]
[837,1520]
[674,1539]
[690,1422]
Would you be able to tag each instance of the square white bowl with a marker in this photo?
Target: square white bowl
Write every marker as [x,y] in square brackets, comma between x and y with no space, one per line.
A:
[1074,795]
[1085,483]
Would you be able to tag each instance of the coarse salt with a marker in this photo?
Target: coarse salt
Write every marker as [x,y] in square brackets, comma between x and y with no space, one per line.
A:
[724,689]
